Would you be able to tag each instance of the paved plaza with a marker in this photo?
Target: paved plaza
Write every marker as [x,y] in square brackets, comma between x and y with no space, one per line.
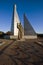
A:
[15,52]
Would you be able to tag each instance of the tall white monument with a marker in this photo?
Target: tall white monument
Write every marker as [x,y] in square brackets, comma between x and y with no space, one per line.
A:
[15,20]
[18,31]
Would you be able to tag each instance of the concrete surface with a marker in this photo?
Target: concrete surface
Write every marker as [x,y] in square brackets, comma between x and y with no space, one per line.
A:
[21,53]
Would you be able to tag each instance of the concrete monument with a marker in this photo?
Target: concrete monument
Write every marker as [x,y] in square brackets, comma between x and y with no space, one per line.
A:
[15,21]
[18,31]
[29,32]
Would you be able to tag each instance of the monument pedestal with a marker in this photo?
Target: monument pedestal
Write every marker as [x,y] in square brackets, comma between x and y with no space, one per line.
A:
[13,37]
[30,37]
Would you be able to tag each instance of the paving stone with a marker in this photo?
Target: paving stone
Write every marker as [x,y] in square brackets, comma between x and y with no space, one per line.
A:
[22,53]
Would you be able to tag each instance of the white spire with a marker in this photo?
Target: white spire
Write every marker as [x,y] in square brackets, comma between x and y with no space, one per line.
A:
[15,6]
[16,20]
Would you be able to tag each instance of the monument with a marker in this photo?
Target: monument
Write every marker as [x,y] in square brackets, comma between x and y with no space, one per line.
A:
[16,26]
[15,20]
[18,31]
[29,32]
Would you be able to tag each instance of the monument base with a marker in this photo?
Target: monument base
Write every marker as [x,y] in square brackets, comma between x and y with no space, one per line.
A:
[13,37]
[30,37]
[23,37]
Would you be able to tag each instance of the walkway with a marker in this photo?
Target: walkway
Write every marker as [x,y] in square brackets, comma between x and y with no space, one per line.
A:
[22,53]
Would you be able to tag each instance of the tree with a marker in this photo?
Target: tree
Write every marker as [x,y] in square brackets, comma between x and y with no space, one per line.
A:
[9,33]
[1,34]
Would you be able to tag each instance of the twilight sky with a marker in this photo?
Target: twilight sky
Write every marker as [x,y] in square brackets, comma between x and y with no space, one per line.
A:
[32,8]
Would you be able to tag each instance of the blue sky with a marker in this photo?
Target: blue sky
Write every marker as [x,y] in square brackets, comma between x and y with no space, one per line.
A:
[32,8]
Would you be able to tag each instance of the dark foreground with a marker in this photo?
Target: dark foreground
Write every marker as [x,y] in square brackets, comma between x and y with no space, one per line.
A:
[21,52]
